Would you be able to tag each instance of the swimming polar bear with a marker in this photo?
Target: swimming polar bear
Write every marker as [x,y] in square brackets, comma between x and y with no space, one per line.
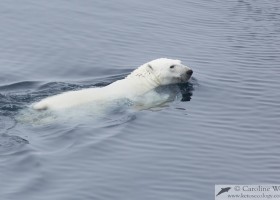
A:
[148,76]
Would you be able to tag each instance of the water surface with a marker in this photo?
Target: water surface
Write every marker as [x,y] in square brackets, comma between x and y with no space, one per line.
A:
[224,129]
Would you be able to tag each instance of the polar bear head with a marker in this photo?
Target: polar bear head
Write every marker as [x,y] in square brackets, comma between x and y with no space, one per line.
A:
[162,71]
[168,71]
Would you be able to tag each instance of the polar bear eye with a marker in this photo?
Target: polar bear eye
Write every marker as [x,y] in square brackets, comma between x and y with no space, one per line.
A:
[172,66]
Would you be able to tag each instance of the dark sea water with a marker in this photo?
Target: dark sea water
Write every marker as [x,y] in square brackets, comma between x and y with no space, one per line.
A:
[224,129]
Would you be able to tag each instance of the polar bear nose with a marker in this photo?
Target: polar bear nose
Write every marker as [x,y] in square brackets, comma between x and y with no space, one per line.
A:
[190,72]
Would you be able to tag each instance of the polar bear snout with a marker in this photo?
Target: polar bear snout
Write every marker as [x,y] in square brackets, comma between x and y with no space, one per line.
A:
[186,75]
[189,72]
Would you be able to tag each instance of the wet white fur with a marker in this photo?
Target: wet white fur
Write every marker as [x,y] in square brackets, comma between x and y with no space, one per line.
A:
[145,78]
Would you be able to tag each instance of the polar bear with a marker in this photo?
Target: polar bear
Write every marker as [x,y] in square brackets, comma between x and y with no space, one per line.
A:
[162,71]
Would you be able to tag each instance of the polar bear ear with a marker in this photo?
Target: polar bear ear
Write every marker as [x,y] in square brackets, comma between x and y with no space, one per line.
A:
[150,67]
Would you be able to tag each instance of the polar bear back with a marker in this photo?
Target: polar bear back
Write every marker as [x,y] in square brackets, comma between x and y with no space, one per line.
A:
[69,99]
